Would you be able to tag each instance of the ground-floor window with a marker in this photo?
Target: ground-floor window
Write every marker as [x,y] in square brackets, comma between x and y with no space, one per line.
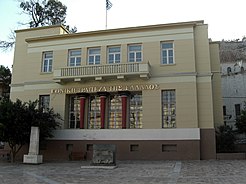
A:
[168,109]
[237,110]
[115,111]
[94,116]
[44,102]
[105,110]
[74,109]
[136,109]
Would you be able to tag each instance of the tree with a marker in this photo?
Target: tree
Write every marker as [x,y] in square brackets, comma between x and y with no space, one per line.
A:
[41,13]
[45,13]
[6,45]
[241,121]
[233,50]
[5,80]
[16,120]
[225,138]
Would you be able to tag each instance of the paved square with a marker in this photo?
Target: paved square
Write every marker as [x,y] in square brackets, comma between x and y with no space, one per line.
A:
[146,172]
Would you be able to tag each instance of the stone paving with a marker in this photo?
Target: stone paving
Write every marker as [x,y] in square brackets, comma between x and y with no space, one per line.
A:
[139,172]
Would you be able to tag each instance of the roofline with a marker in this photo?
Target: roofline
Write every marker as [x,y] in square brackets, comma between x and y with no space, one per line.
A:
[137,28]
[215,42]
[43,27]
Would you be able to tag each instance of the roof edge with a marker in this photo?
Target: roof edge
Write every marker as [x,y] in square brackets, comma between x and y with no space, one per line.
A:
[40,28]
[136,28]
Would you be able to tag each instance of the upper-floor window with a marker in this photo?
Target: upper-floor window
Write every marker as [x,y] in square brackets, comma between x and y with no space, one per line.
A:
[74,57]
[47,61]
[135,53]
[228,70]
[167,53]
[44,102]
[168,109]
[113,55]
[224,110]
[237,110]
[94,56]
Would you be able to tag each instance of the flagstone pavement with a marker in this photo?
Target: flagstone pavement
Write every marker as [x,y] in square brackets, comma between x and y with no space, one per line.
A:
[139,172]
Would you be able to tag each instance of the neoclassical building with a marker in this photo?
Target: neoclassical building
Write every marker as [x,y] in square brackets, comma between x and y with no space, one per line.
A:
[153,91]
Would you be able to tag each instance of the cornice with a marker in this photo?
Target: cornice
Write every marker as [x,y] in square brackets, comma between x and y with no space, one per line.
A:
[118,30]
[42,28]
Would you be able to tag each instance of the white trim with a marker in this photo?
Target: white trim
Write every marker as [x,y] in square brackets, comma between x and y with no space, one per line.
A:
[128,134]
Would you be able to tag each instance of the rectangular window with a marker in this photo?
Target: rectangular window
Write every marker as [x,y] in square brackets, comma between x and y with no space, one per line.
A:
[168,109]
[89,147]
[47,61]
[44,102]
[74,112]
[115,112]
[136,111]
[134,147]
[74,57]
[94,114]
[167,53]
[113,55]
[224,110]
[69,147]
[135,53]
[169,148]
[94,56]
[237,110]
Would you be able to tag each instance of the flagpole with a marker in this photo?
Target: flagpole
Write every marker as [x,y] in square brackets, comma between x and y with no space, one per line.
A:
[106,18]
[108,6]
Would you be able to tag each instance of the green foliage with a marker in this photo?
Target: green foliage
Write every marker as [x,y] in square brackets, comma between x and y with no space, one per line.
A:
[8,45]
[45,13]
[5,80]
[41,13]
[17,118]
[232,50]
[241,122]
[225,138]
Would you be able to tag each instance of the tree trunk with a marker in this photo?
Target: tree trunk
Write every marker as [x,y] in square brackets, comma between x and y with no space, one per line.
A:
[14,151]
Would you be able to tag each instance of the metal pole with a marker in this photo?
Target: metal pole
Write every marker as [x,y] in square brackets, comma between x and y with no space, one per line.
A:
[106,18]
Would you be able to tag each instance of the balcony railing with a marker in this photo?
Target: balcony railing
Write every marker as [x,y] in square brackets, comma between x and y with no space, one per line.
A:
[98,72]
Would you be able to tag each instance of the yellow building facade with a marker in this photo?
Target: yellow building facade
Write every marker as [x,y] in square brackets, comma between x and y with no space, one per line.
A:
[153,91]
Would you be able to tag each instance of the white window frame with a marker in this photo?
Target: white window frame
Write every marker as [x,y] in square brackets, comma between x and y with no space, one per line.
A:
[44,102]
[94,112]
[169,56]
[168,108]
[74,111]
[94,56]
[114,54]
[114,112]
[136,111]
[135,53]
[77,58]
[47,62]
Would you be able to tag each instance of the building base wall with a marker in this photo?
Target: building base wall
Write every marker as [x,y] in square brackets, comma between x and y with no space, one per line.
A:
[203,148]
[208,144]
[125,150]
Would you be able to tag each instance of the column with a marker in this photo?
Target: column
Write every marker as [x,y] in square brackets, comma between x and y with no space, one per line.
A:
[124,110]
[82,112]
[102,110]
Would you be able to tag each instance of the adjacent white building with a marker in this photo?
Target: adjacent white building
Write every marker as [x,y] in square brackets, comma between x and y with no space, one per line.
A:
[233,80]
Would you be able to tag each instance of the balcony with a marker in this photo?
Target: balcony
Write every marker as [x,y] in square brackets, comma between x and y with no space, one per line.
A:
[100,72]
